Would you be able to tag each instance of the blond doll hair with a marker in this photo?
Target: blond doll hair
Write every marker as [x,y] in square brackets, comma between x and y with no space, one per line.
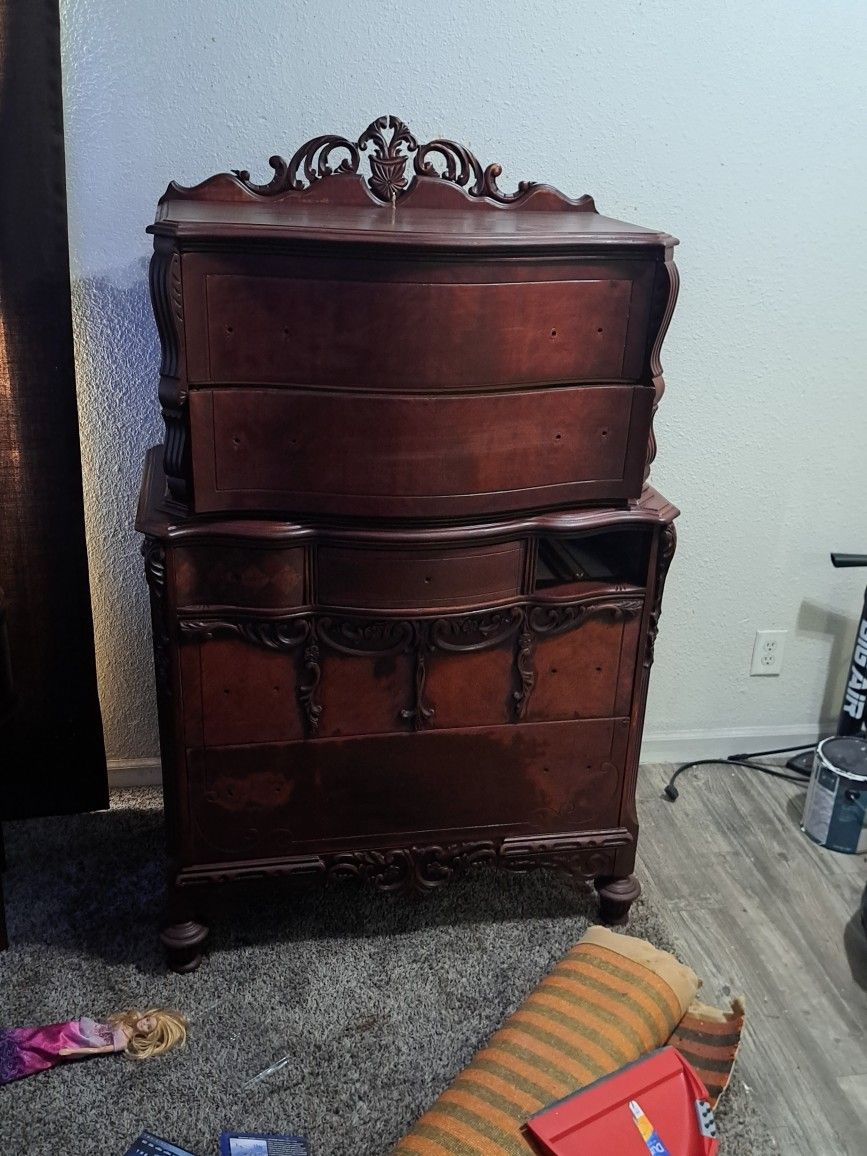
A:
[169,1031]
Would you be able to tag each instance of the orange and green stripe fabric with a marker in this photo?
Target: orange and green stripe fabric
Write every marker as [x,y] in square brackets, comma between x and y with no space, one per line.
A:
[598,1010]
[709,1040]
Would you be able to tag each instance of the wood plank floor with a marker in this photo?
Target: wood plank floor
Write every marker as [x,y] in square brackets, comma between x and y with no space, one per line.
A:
[759,909]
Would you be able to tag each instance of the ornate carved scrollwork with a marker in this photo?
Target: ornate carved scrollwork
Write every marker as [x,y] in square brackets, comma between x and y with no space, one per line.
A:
[475,631]
[583,856]
[526,671]
[309,684]
[667,546]
[155,565]
[164,278]
[559,617]
[421,713]
[154,556]
[388,146]
[167,300]
[274,634]
[424,869]
[664,301]
[366,636]
[387,163]
[409,868]
[461,167]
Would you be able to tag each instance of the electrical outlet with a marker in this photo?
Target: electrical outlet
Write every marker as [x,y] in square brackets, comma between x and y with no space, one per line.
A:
[768,651]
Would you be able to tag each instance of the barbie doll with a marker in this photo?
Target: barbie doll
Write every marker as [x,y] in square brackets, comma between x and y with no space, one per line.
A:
[139,1034]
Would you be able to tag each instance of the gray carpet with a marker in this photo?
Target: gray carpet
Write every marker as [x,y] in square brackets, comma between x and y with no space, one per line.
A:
[380,1001]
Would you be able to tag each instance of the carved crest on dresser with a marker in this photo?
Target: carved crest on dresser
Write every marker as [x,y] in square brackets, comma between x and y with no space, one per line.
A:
[395,160]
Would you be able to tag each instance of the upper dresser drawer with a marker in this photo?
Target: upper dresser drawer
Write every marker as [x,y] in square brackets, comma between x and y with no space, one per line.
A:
[392,325]
[416,455]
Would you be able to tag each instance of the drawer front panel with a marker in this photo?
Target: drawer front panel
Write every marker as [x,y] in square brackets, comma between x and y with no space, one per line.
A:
[404,579]
[404,334]
[417,456]
[473,688]
[585,673]
[363,695]
[248,694]
[281,798]
[240,576]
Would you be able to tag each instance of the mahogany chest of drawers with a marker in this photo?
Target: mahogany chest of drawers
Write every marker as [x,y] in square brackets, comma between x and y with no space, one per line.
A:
[405,567]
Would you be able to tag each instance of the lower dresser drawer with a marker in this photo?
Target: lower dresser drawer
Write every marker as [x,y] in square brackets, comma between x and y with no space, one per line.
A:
[251,681]
[279,799]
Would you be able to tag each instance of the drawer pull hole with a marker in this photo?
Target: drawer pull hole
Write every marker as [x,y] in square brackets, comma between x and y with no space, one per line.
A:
[428,580]
[553,669]
[558,437]
[553,332]
[605,433]
[230,329]
[225,690]
[236,441]
[599,330]
[598,669]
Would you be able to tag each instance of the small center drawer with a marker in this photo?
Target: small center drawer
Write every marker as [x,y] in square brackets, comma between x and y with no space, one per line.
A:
[396,579]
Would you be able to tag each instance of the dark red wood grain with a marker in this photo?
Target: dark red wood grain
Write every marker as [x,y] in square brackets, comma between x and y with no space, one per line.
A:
[239,576]
[392,579]
[454,779]
[347,333]
[435,455]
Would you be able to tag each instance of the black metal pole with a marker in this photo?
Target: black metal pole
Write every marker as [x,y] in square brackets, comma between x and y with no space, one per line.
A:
[852,714]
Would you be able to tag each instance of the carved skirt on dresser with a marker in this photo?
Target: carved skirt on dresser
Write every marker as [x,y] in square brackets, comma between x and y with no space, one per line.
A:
[398,704]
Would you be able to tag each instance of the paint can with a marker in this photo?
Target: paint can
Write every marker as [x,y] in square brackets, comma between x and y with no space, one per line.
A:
[837,796]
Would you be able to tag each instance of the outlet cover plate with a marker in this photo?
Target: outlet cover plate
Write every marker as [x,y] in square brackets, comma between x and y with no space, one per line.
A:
[768,649]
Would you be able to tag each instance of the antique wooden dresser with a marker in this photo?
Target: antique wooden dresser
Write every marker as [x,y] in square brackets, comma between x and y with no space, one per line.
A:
[405,567]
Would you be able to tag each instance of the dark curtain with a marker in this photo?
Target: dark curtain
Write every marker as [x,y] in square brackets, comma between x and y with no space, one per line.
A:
[52,758]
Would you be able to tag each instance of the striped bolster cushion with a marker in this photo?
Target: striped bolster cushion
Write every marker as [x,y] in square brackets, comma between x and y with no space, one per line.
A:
[709,1039]
[610,1000]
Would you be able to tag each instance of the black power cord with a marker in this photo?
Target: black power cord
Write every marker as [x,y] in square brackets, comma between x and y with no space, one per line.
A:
[671,791]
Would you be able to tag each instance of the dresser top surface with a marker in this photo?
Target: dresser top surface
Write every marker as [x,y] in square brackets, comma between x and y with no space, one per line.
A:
[459,225]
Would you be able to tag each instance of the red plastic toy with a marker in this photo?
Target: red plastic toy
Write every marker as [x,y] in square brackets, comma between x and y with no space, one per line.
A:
[657,1105]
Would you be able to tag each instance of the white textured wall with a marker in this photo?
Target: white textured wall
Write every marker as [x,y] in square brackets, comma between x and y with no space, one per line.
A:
[738,127]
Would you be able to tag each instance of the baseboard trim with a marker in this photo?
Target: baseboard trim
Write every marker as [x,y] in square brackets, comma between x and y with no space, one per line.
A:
[134,773]
[663,747]
[683,746]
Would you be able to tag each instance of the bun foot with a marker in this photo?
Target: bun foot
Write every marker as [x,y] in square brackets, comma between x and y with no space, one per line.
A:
[616,896]
[183,943]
